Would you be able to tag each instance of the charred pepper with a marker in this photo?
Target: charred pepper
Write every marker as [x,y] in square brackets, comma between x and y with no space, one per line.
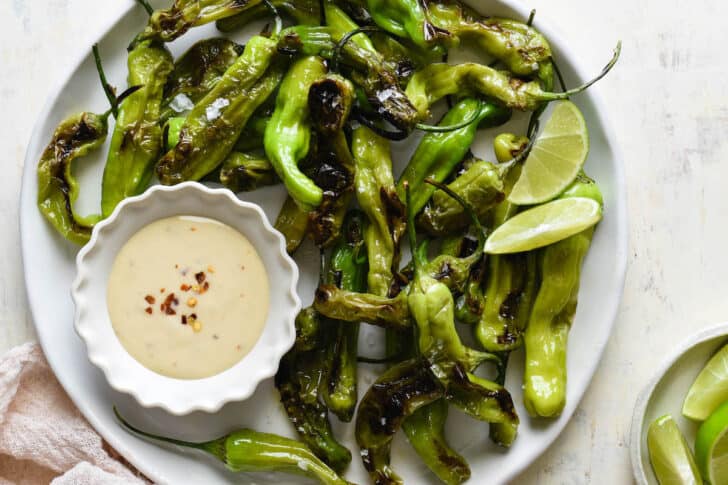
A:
[292,222]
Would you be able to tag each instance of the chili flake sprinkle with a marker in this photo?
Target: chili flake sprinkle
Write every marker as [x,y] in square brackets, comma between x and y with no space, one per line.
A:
[150,299]
[185,287]
[191,302]
[166,306]
[148,310]
[200,277]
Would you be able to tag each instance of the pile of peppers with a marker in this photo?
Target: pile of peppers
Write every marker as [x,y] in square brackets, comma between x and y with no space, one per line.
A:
[314,103]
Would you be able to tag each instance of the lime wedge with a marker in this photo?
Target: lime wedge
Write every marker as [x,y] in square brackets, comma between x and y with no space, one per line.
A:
[710,388]
[671,458]
[543,225]
[711,447]
[558,154]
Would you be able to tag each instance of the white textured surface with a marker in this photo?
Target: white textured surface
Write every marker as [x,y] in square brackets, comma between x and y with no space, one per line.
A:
[668,102]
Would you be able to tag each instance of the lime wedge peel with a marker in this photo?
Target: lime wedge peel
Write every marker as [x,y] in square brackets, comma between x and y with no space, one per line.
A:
[671,458]
[711,446]
[543,225]
[710,388]
[557,156]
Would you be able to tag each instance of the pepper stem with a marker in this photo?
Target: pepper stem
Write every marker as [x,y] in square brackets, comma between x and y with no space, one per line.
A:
[567,94]
[468,210]
[108,89]
[447,128]
[531,16]
[186,444]
[278,25]
[147,7]
[418,259]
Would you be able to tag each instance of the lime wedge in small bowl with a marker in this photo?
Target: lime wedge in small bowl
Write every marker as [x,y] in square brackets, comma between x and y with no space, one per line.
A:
[711,447]
[557,156]
[671,458]
[710,388]
[543,225]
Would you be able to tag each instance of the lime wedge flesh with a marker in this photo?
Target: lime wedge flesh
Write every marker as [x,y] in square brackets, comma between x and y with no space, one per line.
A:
[710,388]
[543,225]
[557,156]
[671,458]
[711,447]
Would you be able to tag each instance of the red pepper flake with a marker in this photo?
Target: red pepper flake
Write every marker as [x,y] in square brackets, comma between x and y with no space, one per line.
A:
[193,316]
[176,266]
[166,307]
[150,299]
[148,310]
[161,290]
[205,287]
[200,277]
[193,229]
[184,319]
[185,287]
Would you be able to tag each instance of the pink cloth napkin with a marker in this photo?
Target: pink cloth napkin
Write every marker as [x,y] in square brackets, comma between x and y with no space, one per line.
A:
[43,437]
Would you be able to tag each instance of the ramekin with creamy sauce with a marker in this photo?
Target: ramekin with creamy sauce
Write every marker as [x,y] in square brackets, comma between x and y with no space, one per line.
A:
[186,298]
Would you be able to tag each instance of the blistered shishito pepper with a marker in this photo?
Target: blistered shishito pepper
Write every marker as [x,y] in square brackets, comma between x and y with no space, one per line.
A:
[545,339]
[511,280]
[396,395]
[438,153]
[288,134]
[168,24]
[408,19]
[75,137]
[481,185]
[352,306]
[298,378]
[292,222]
[519,47]
[196,72]
[246,450]
[438,80]
[347,270]
[377,196]
[330,101]
[304,12]
[137,138]
[245,172]
[215,123]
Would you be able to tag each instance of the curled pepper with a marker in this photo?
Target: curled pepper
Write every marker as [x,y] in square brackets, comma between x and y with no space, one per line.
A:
[246,450]
[75,137]
[522,49]
[348,270]
[438,153]
[438,80]
[352,306]
[288,134]
[396,395]
[137,138]
[480,185]
[215,123]
[545,339]
[196,72]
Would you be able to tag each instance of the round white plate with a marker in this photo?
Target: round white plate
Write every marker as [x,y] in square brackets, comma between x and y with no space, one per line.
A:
[666,392]
[49,271]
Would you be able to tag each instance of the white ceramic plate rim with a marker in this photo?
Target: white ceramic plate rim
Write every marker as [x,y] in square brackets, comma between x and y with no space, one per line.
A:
[618,211]
[126,375]
[643,400]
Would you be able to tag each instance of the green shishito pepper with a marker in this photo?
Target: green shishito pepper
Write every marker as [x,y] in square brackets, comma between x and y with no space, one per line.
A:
[519,47]
[407,19]
[215,123]
[545,339]
[246,450]
[480,185]
[168,24]
[438,80]
[245,172]
[348,270]
[196,72]
[377,197]
[439,153]
[137,138]
[75,137]
[292,222]
[288,134]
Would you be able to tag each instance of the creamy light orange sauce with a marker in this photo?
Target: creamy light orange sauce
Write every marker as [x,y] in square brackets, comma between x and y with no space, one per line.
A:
[188,297]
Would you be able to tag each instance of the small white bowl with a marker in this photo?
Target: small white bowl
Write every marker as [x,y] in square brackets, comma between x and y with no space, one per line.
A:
[93,324]
[665,393]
